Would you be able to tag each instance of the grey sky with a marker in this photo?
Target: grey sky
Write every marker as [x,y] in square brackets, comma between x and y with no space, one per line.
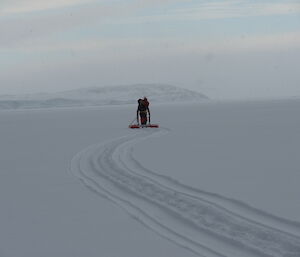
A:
[226,49]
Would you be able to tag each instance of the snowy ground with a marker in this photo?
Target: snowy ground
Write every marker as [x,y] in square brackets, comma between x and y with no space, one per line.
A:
[217,179]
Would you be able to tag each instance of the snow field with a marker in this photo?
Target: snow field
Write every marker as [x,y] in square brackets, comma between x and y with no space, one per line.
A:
[217,179]
[191,220]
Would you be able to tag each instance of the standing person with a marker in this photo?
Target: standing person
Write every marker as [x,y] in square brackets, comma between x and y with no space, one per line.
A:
[142,110]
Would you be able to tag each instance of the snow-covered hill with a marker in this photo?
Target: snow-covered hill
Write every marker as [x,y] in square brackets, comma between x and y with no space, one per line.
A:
[98,96]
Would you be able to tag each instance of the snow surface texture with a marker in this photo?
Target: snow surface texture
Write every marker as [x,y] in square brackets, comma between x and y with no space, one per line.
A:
[216,179]
[98,96]
[205,223]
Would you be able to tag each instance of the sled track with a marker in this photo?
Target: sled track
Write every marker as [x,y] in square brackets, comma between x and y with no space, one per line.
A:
[208,224]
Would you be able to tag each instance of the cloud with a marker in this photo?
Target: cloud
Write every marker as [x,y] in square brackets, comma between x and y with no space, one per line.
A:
[208,10]
[22,19]
[36,31]
[25,6]
[259,43]
[8,7]
[19,29]
[178,9]
[112,50]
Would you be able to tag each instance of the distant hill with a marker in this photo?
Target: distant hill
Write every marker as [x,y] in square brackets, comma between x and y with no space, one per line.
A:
[98,96]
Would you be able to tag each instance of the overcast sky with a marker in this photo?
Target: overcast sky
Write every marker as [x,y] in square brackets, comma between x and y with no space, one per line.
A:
[223,48]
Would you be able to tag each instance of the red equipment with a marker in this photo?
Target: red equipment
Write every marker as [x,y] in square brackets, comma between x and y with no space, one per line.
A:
[133,126]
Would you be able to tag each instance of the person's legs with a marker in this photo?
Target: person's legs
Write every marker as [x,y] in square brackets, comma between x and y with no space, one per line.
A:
[143,118]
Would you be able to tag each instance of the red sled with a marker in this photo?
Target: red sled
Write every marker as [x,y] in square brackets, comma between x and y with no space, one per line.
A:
[144,126]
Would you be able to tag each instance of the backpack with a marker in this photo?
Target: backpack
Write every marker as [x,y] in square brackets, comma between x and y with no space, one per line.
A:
[143,105]
[146,102]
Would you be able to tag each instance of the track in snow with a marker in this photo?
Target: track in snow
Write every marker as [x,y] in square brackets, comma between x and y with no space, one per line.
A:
[208,224]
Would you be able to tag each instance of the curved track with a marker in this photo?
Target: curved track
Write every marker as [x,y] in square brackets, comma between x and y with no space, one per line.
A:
[208,224]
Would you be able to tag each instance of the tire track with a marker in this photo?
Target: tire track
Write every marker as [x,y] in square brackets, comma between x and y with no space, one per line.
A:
[205,223]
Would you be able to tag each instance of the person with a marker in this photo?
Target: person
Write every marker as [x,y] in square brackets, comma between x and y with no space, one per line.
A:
[142,111]
[146,101]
